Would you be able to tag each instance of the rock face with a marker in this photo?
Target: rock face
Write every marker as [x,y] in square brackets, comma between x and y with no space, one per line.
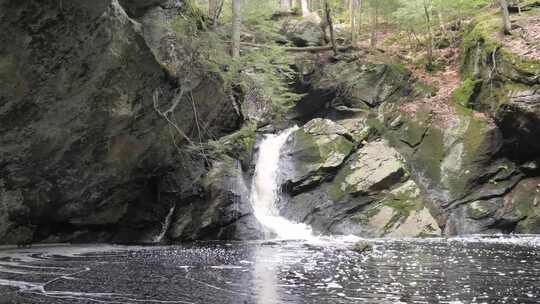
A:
[83,154]
[350,85]
[374,167]
[366,193]
[414,170]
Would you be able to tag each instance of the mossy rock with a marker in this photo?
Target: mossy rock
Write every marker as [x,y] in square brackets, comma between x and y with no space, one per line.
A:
[321,145]
[466,94]
[237,145]
[446,156]
[359,84]
[401,213]
[373,168]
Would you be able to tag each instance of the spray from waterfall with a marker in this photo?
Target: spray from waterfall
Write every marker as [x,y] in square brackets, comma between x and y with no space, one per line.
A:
[265,190]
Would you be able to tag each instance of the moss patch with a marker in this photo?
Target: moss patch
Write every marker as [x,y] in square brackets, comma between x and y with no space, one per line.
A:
[466,94]
[237,145]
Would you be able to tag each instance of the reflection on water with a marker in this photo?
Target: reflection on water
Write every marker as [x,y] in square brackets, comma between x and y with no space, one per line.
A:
[472,270]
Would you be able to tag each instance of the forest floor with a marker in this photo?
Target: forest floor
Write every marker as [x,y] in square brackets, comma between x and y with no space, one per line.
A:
[526,40]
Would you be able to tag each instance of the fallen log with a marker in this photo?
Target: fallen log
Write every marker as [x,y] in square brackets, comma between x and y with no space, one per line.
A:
[311,49]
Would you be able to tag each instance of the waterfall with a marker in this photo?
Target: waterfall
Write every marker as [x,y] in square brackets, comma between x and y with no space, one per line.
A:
[265,190]
[164,226]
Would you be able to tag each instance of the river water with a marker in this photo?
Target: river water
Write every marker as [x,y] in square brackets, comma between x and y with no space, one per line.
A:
[462,270]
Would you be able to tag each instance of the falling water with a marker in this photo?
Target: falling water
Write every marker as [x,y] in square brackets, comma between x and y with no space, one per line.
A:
[164,226]
[265,190]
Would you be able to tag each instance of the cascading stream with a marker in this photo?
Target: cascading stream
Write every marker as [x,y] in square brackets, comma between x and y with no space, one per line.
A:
[265,191]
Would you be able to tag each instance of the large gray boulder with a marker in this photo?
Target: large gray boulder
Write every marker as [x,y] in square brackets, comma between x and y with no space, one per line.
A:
[304,32]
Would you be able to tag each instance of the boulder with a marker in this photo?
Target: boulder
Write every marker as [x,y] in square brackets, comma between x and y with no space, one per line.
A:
[304,32]
[315,149]
[360,84]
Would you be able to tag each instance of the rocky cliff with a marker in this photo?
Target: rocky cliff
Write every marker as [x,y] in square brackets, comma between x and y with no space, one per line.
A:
[384,157]
[84,154]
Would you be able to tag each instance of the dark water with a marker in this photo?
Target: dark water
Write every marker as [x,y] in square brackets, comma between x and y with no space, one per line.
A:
[474,270]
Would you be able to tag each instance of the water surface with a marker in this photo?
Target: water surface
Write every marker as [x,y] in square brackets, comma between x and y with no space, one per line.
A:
[469,270]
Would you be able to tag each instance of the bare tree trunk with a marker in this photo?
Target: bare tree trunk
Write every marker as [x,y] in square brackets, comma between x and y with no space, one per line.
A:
[328,17]
[430,36]
[353,10]
[441,22]
[374,25]
[236,27]
[285,5]
[304,7]
[507,27]
[359,19]
[315,5]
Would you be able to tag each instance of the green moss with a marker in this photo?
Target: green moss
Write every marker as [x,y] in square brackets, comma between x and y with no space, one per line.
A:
[430,154]
[482,35]
[466,94]
[237,145]
[424,90]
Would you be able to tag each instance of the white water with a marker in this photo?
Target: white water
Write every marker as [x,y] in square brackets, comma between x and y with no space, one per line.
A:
[164,226]
[265,191]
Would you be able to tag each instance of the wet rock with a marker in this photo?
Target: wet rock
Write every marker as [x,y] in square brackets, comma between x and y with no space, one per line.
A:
[362,247]
[223,212]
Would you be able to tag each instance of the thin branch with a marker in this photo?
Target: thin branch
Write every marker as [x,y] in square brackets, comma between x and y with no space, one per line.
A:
[170,111]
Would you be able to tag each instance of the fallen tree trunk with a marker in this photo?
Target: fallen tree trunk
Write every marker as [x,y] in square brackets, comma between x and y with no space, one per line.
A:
[312,49]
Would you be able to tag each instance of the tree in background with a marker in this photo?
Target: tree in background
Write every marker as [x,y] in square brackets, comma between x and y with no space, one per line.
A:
[304,7]
[375,5]
[353,8]
[328,18]
[285,5]
[507,27]
[236,27]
